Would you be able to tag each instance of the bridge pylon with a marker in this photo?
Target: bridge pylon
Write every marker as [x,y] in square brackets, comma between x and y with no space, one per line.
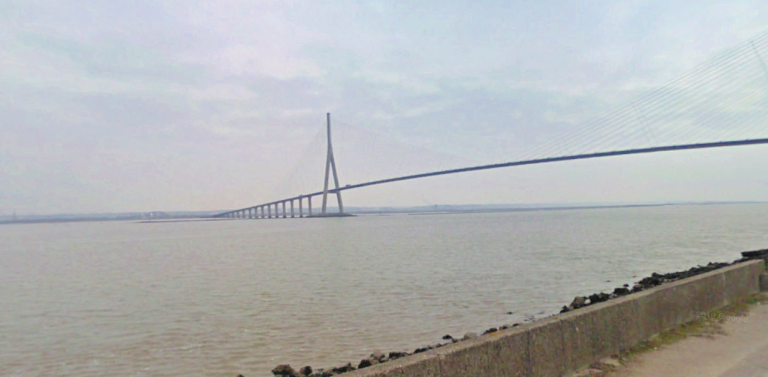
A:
[330,166]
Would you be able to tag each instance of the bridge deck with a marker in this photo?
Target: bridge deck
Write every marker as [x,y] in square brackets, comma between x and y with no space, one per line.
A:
[719,144]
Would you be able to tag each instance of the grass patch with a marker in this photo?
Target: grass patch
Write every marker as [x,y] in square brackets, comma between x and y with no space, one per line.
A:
[707,325]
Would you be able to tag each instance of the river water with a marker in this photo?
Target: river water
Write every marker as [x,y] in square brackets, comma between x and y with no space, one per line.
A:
[218,298]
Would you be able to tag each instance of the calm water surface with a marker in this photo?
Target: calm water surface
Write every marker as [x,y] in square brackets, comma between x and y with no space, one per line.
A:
[227,297]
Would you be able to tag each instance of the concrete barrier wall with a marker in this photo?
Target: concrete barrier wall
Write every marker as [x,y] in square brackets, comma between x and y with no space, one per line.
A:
[573,340]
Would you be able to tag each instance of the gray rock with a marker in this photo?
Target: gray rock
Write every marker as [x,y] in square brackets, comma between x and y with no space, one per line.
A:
[578,302]
[284,370]
[364,363]
[469,335]
[377,355]
[343,369]
[307,370]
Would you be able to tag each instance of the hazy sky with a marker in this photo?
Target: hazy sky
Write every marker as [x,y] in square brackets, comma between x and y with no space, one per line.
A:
[110,106]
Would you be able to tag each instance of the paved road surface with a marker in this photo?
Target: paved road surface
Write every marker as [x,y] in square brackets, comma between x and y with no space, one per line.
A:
[740,351]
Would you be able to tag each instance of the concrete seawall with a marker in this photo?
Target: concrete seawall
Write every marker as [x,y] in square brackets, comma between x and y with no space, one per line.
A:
[569,341]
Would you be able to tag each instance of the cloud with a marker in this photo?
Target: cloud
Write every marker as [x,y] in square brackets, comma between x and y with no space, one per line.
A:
[111,106]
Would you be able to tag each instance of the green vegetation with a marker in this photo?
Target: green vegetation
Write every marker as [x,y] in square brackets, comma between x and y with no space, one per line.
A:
[707,325]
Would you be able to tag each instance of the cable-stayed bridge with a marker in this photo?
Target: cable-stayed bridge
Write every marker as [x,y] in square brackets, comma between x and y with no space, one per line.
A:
[720,103]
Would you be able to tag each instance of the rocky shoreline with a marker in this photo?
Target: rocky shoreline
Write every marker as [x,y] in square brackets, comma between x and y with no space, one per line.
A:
[378,357]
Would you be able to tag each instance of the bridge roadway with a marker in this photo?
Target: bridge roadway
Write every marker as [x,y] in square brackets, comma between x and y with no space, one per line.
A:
[250,211]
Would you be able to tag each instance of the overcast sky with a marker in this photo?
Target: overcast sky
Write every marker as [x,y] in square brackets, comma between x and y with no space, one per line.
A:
[110,106]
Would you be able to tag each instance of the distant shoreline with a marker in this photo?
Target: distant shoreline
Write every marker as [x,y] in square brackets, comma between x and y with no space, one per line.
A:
[553,208]
[413,211]
[97,219]
[458,212]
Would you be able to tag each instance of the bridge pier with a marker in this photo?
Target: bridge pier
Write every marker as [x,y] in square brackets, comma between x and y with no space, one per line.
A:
[309,204]
[292,216]
[269,212]
[284,214]
[301,209]
[277,211]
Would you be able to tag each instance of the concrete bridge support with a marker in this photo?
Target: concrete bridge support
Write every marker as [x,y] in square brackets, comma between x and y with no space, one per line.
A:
[292,215]
[301,209]
[330,166]
[284,214]
[309,204]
